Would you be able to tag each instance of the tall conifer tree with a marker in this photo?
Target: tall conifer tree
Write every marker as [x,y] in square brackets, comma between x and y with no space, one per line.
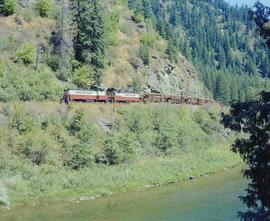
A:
[89,43]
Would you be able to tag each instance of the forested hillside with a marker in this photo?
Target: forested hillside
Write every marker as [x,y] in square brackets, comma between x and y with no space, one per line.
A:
[199,48]
[217,38]
[48,45]
[52,150]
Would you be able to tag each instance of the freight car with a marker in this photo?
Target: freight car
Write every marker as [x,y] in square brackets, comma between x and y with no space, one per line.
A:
[175,99]
[112,95]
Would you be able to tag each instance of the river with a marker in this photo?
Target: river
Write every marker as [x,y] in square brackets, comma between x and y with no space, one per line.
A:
[211,198]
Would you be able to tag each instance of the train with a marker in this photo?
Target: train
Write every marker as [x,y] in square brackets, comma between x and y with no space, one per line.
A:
[112,95]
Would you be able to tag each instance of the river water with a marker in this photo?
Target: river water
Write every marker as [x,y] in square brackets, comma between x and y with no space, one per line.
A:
[212,198]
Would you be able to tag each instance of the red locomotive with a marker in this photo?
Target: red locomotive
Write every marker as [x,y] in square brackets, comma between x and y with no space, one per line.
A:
[112,95]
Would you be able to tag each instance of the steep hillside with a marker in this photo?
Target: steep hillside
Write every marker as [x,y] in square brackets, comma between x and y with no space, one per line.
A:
[20,79]
[141,45]
[127,69]
[36,47]
[220,40]
[52,151]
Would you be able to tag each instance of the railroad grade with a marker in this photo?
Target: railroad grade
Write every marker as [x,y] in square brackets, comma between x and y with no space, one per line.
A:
[112,95]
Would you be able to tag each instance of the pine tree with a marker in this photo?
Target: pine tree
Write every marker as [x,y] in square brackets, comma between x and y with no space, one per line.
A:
[221,90]
[214,44]
[89,43]
[174,17]
[147,10]
[160,26]
[171,51]
[138,9]
[185,48]
[221,58]
[63,45]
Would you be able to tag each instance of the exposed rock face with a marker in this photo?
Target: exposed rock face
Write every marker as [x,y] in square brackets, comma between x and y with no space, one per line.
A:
[127,70]
[167,78]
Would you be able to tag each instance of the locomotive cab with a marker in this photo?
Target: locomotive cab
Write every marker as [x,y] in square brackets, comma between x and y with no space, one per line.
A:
[65,97]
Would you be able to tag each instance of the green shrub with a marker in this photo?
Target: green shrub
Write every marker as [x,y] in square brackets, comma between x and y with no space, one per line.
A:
[44,7]
[19,82]
[149,39]
[80,156]
[37,155]
[26,53]
[83,77]
[166,139]
[52,61]
[22,122]
[120,148]
[7,7]
[111,27]
[144,54]
[172,52]
[26,94]
[87,134]
[76,122]
[137,17]
[135,83]
[111,154]
[161,129]
[63,74]
[57,150]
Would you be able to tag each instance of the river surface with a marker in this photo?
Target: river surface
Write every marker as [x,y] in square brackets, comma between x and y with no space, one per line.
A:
[212,198]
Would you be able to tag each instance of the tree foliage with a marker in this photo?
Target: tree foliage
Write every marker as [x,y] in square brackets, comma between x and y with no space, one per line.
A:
[171,51]
[7,7]
[253,119]
[217,46]
[83,77]
[26,53]
[20,83]
[44,7]
[261,16]
[62,44]
[89,40]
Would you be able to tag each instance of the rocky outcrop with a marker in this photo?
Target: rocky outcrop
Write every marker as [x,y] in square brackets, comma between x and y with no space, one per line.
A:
[127,70]
[167,78]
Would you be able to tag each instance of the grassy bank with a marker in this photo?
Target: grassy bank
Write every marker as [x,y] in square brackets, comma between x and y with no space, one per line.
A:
[106,180]
[51,151]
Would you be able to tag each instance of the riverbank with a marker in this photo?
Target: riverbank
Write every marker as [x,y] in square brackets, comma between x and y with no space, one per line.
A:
[105,180]
[55,152]
[213,197]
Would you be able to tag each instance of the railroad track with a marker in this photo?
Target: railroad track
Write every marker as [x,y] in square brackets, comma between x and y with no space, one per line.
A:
[112,95]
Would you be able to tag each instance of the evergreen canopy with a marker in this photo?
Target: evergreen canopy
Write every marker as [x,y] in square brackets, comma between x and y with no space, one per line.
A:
[253,119]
